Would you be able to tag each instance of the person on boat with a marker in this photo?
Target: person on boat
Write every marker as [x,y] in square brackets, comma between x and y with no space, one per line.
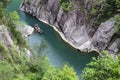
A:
[37,28]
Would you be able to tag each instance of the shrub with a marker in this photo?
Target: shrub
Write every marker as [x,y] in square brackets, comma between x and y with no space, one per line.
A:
[66,6]
[117,26]
[102,68]
[6,71]
[28,2]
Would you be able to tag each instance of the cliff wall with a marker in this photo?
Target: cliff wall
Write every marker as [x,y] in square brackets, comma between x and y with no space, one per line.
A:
[75,26]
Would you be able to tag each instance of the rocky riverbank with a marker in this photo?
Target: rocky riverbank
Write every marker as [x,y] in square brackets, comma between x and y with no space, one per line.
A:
[72,26]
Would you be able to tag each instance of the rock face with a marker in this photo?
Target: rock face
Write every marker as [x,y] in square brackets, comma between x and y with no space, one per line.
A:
[103,35]
[7,41]
[113,48]
[5,37]
[72,25]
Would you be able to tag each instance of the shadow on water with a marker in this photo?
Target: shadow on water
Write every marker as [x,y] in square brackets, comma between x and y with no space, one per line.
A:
[58,52]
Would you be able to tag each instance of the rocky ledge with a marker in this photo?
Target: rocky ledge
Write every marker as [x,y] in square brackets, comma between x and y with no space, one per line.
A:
[26,30]
[72,27]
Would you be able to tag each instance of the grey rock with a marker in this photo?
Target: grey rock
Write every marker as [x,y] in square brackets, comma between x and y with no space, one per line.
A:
[104,34]
[26,30]
[113,48]
[72,24]
[5,36]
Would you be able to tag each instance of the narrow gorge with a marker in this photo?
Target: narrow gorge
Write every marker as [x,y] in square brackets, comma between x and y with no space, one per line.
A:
[76,26]
[59,39]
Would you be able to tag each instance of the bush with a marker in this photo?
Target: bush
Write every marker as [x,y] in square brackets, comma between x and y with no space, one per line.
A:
[102,68]
[3,51]
[110,9]
[65,73]
[66,6]
[117,26]
[28,2]
[6,71]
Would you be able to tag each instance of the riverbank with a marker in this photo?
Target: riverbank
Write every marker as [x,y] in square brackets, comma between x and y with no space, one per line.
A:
[60,33]
[63,37]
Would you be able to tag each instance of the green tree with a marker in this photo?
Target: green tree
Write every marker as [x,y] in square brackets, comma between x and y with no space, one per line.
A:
[39,65]
[6,71]
[102,68]
[5,2]
[14,16]
[66,73]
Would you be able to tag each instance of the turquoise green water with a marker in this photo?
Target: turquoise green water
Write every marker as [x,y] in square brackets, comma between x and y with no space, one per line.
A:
[57,51]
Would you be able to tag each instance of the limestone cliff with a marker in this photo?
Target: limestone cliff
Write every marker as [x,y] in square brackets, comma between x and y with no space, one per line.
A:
[8,42]
[74,26]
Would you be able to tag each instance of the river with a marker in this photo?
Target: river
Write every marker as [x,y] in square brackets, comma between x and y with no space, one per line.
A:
[57,51]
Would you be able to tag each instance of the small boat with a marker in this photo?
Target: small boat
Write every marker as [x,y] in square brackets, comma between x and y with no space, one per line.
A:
[37,28]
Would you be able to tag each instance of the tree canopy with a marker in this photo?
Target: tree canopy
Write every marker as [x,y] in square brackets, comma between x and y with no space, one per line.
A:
[66,73]
[102,68]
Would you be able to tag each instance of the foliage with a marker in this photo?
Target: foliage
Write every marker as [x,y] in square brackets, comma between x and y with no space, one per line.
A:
[100,10]
[4,2]
[23,68]
[14,65]
[110,9]
[67,6]
[6,71]
[20,67]
[9,20]
[66,73]
[39,65]
[28,2]
[117,26]
[2,10]
[102,68]
[14,16]
[2,48]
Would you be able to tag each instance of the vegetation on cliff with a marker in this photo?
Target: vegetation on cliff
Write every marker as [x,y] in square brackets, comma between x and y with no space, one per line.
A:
[97,11]
[117,26]
[16,65]
[67,6]
[10,20]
